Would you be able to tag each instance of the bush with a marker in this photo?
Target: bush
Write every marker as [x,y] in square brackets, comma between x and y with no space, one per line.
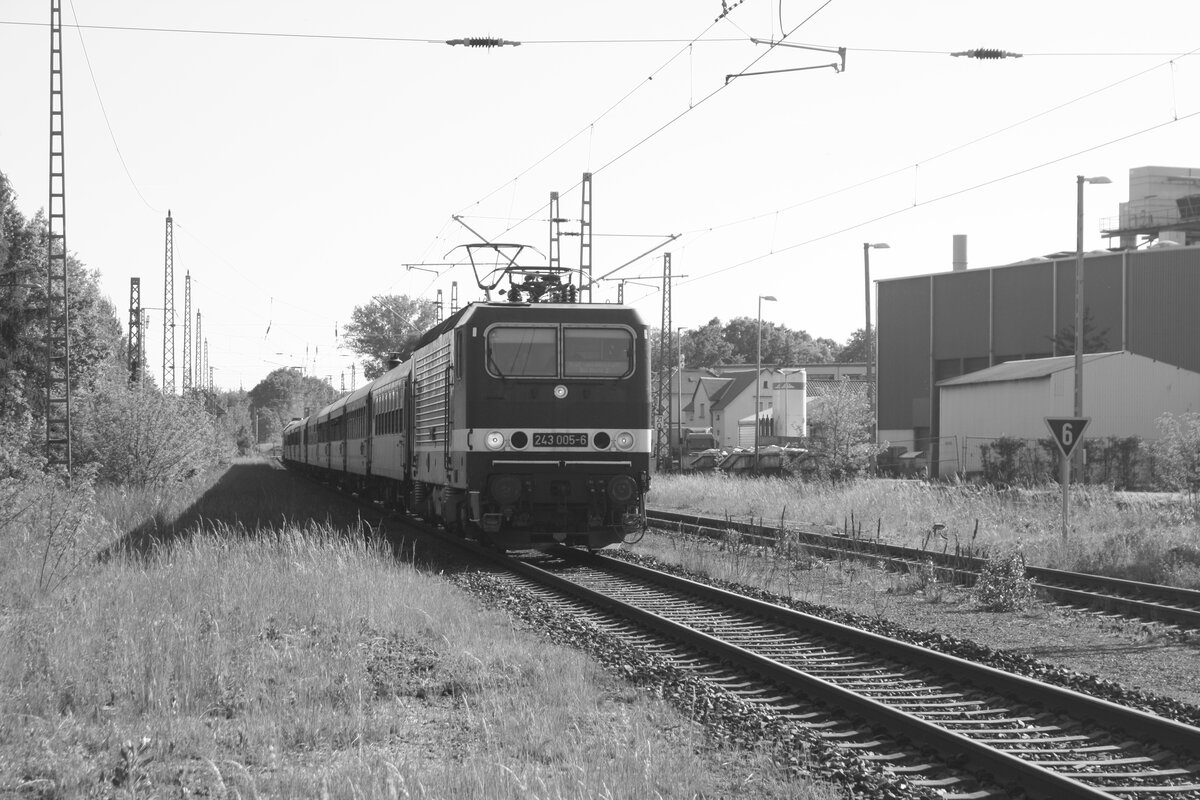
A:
[1178,451]
[1002,585]
[136,436]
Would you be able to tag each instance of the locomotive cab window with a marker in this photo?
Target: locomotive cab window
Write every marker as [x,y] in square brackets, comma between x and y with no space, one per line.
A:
[522,352]
[597,352]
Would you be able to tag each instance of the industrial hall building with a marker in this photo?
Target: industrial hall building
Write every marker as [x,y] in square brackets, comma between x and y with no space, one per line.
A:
[1142,301]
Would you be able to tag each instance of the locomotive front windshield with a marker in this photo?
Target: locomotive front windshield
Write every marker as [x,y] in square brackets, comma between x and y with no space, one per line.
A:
[586,352]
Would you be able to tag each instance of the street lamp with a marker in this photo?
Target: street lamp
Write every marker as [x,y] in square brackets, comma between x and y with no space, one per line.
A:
[758,376]
[1079,182]
[871,380]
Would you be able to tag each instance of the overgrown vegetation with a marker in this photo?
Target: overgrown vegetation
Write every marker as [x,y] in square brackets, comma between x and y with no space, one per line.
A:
[293,658]
[1002,585]
[1150,538]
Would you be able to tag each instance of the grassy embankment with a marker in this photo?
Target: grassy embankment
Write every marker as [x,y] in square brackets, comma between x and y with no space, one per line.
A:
[272,644]
[1154,539]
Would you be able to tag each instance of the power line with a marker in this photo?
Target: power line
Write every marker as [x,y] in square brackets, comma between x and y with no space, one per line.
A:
[347,37]
[946,196]
[899,170]
[661,128]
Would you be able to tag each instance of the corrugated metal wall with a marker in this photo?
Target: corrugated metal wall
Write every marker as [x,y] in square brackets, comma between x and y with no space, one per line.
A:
[1164,306]
[903,355]
[1025,326]
[1145,301]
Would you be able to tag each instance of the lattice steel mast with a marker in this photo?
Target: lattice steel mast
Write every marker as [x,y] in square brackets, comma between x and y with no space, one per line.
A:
[187,332]
[200,377]
[585,239]
[58,295]
[169,309]
[135,348]
[662,390]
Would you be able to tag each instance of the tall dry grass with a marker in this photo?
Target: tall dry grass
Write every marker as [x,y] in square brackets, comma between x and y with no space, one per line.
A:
[1151,537]
[304,661]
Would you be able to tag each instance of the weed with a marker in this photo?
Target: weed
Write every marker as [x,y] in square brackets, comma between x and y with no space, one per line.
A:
[1002,585]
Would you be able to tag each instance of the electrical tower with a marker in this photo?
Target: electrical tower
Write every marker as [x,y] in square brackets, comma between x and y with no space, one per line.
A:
[585,240]
[58,336]
[207,368]
[662,390]
[169,310]
[187,331]
[437,309]
[135,349]
[200,376]
[453,297]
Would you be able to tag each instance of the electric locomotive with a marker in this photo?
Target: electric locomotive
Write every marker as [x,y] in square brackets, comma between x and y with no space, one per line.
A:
[530,423]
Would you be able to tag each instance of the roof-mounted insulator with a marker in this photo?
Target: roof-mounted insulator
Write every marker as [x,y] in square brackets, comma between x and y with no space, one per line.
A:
[483,41]
[987,53]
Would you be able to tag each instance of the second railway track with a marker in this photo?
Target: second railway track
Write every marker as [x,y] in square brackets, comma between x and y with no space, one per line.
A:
[1166,605]
[1016,732]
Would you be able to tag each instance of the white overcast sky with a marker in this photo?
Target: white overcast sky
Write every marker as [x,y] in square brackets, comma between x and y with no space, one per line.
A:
[308,150]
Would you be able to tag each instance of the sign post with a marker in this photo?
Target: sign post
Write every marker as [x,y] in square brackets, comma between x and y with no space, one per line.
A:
[1067,433]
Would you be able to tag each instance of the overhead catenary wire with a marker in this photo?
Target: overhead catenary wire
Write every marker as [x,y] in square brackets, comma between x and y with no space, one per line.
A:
[944,196]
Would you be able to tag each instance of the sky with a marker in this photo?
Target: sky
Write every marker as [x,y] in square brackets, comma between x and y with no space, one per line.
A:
[309,152]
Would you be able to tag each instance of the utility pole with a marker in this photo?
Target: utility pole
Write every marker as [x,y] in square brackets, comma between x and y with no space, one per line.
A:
[58,295]
[662,390]
[201,373]
[187,332]
[169,309]
[134,348]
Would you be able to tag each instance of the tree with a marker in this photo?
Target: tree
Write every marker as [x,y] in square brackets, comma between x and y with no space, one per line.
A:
[839,417]
[1094,341]
[707,346]
[95,332]
[856,348]
[781,346]
[388,324]
[285,394]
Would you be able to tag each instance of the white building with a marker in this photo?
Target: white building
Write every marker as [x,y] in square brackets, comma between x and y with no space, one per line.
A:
[1123,394]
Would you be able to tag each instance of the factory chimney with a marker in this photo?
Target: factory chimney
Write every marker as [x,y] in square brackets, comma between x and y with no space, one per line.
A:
[960,252]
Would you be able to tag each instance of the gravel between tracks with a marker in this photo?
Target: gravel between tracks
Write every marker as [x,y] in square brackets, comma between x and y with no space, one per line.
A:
[1144,665]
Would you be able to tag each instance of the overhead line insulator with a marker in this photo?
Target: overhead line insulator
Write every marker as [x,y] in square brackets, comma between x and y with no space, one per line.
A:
[987,54]
[482,41]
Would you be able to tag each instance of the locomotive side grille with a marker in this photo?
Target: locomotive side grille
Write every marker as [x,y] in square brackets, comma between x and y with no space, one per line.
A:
[430,392]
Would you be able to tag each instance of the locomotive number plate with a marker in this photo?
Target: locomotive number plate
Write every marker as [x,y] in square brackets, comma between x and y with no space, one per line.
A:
[560,440]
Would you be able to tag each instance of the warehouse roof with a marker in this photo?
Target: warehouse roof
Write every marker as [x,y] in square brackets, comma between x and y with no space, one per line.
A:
[1025,369]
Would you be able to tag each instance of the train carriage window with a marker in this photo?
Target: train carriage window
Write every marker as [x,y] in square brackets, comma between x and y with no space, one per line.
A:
[597,352]
[522,352]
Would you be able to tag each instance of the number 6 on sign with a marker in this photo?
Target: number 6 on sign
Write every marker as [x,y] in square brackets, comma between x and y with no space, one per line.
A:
[1067,432]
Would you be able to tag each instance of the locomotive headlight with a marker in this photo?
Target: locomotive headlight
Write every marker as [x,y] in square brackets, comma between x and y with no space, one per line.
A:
[622,489]
[494,440]
[560,391]
[625,440]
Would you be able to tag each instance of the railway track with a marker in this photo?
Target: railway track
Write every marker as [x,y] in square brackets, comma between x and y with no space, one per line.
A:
[997,734]
[1166,605]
